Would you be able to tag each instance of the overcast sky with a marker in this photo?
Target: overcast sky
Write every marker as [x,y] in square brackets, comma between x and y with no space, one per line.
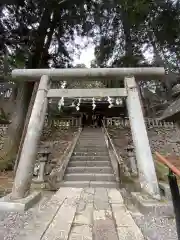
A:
[86,52]
[86,56]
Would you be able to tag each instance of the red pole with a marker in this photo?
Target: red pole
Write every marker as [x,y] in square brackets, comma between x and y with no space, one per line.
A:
[168,164]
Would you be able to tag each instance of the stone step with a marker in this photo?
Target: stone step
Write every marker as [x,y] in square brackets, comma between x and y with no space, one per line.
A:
[90,149]
[89,154]
[89,158]
[92,137]
[92,184]
[91,144]
[100,140]
[89,177]
[94,146]
[89,163]
[93,134]
[89,170]
[100,136]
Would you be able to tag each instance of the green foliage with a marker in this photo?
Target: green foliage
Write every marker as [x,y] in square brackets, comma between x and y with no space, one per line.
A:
[119,29]
[161,171]
[129,25]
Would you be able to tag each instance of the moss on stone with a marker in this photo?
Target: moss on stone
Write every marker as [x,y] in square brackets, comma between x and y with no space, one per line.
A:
[7,160]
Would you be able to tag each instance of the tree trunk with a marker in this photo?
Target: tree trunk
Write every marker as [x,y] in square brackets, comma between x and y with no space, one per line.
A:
[25,124]
[42,63]
[13,137]
[39,59]
[159,61]
[128,39]
[25,99]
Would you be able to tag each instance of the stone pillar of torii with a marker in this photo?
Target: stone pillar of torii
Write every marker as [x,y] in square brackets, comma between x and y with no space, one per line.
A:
[25,168]
[145,163]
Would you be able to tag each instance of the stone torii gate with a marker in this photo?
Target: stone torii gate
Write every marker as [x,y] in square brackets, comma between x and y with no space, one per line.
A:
[147,174]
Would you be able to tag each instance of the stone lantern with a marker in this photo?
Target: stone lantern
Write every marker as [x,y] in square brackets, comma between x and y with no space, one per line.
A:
[43,161]
[132,160]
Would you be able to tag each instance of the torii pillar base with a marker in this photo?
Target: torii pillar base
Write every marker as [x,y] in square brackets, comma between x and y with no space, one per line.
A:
[19,205]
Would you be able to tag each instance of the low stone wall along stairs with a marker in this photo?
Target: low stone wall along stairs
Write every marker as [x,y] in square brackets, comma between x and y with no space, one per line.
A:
[90,164]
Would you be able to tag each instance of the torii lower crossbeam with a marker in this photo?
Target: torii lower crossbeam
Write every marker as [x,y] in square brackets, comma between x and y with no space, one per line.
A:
[87,93]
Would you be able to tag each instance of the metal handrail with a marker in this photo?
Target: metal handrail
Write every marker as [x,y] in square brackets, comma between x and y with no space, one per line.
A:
[173,172]
[112,145]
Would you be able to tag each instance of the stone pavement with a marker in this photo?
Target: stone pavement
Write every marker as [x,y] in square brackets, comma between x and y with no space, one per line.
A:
[83,214]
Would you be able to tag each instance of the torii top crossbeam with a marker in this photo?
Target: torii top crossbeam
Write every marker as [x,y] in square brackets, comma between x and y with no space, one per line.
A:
[145,73]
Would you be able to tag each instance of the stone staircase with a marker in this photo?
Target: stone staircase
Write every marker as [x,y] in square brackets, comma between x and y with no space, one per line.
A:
[90,164]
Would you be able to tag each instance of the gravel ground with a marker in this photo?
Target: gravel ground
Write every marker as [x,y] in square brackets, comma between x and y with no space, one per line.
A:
[12,223]
[153,227]
[157,228]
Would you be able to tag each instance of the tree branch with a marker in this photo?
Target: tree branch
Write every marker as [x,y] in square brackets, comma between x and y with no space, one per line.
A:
[62,1]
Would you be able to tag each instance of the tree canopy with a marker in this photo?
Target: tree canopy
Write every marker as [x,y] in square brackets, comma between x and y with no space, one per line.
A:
[41,33]
[37,34]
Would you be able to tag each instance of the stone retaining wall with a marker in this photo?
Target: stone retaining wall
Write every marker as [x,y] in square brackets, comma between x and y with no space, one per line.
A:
[163,138]
[56,139]
[3,132]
